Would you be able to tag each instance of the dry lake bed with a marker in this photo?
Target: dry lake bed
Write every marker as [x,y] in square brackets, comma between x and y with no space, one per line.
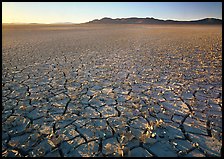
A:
[111,90]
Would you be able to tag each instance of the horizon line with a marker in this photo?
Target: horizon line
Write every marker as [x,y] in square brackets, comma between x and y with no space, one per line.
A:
[110,18]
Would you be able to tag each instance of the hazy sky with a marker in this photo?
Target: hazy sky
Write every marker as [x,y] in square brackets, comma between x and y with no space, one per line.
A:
[79,12]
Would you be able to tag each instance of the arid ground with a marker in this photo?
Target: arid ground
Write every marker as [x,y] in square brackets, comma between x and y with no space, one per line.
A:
[111,90]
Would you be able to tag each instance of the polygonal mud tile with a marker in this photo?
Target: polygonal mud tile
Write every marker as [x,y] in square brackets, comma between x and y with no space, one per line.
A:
[88,149]
[97,87]
[90,93]
[172,107]
[44,120]
[88,132]
[107,90]
[46,129]
[137,89]
[217,133]
[117,90]
[195,126]
[63,123]
[156,108]
[195,153]
[96,102]
[65,147]
[126,112]
[80,122]
[200,106]
[18,141]
[18,124]
[4,145]
[139,152]
[84,100]
[9,104]
[74,153]
[55,111]
[214,113]
[215,107]
[182,107]
[121,98]
[173,131]
[160,99]
[99,123]
[54,153]
[110,145]
[117,122]
[163,150]
[5,135]
[60,103]
[107,111]
[187,95]
[177,118]
[17,94]
[25,102]
[91,113]
[38,100]
[208,144]
[148,139]
[201,96]
[5,92]
[35,113]
[74,108]
[139,123]
[170,96]
[41,149]
[11,153]
[68,133]
[6,114]
[181,145]
[125,92]
[133,143]
[169,132]
[110,102]
[215,94]
[136,132]
[165,117]
[103,132]
[76,142]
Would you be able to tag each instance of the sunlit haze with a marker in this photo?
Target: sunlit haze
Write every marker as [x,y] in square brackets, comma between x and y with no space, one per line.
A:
[80,12]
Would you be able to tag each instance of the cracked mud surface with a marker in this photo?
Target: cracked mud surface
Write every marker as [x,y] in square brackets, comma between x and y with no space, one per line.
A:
[123,90]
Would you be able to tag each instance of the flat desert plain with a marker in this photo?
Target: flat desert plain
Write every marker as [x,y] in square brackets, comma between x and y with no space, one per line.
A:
[111,90]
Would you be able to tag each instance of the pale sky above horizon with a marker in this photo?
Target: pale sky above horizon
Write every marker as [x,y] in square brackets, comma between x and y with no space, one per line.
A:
[80,12]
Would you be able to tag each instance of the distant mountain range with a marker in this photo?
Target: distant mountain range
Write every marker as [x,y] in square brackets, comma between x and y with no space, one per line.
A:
[135,20]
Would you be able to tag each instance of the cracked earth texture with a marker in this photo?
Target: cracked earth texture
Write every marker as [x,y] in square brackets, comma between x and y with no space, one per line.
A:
[111,90]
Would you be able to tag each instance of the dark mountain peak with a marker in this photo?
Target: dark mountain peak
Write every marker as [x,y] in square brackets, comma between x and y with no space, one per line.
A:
[151,20]
[106,18]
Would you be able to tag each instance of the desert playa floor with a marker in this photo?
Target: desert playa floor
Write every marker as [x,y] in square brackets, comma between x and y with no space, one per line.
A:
[111,90]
